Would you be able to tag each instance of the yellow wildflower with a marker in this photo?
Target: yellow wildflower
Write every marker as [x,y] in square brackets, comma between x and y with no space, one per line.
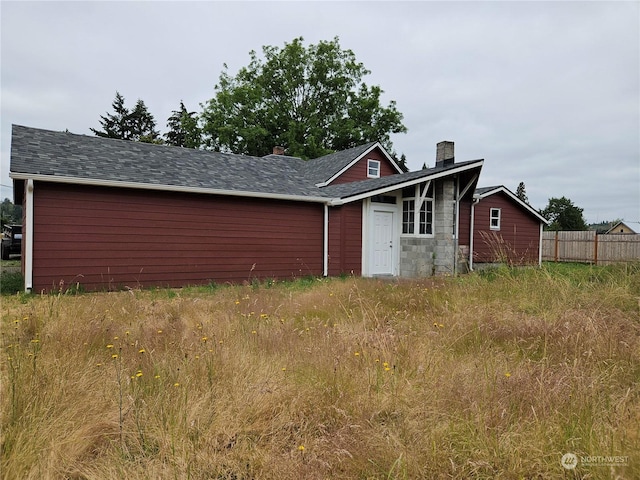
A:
[301,448]
[110,345]
[142,350]
[507,374]
[139,373]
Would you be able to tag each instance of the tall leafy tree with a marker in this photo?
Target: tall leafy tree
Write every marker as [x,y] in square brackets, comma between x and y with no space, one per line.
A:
[183,129]
[136,124]
[311,100]
[563,215]
[521,192]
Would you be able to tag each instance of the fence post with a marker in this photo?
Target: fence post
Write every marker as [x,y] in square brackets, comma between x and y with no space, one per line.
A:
[555,243]
[595,250]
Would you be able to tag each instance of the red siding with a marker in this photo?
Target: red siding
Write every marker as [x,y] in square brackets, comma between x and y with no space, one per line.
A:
[358,171]
[345,239]
[518,239]
[112,238]
[464,222]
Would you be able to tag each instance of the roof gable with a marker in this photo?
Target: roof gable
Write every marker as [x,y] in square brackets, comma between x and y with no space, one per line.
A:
[324,170]
[485,192]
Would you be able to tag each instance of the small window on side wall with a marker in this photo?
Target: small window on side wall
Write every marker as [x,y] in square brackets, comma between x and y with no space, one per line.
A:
[373,168]
[495,219]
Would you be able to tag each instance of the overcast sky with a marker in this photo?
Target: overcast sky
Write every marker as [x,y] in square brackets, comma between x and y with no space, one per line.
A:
[548,93]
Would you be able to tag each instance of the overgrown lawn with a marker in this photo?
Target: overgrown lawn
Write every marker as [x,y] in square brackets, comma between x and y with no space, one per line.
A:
[491,375]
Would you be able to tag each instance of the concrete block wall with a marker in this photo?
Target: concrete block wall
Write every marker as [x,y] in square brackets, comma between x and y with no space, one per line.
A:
[427,256]
[416,256]
[443,228]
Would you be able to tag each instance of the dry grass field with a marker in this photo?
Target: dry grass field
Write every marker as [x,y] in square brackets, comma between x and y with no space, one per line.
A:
[493,375]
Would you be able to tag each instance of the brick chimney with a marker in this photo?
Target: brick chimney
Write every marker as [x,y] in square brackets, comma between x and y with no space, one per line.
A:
[278,150]
[444,154]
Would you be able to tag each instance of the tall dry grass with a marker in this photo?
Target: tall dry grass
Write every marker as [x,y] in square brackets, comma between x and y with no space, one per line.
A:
[493,375]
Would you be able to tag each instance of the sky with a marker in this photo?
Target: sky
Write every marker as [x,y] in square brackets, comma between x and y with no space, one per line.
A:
[547,93]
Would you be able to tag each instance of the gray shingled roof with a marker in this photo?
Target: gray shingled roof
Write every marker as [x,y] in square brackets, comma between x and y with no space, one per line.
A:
[68,156]
[61,154]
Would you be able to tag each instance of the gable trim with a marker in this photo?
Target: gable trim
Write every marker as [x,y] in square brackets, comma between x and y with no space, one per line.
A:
[357,159]
[408,183]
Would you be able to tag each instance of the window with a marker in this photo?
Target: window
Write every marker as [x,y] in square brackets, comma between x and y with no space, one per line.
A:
[373,168]
[495,219]
[422,223]
[408,216]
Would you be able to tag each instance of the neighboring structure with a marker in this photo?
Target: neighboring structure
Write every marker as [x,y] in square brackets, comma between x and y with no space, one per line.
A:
[505,229]
[106,213]
[620,228]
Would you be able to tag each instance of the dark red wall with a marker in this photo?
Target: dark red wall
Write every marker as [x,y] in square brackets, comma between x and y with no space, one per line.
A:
[518,238]
[345,239]
[113,238]
[464,222]
[358,171]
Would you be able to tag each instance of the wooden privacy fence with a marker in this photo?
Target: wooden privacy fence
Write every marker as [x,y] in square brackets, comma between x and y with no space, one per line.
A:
[589,247]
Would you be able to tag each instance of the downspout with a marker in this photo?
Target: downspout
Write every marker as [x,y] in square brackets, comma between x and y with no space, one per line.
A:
[28,247]
[457,225]
[325,242]
[540,247]
[471,232]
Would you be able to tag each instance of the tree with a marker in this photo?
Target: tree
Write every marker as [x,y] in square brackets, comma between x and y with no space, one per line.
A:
[312,101]
[183,129]
[521,192]
[563,215]
[136,124]
[115,125]
[10,213]
[143,125]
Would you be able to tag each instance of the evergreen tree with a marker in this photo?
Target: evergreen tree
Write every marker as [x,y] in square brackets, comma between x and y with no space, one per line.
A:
[183,129]
[137,124]
[143,125]
[521,192]
[115,125]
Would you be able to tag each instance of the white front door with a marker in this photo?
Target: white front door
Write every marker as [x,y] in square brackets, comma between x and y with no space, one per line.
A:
[382,243]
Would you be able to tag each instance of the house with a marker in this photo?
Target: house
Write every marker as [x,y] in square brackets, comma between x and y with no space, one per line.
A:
[105,213]
[505,229]
[620,228]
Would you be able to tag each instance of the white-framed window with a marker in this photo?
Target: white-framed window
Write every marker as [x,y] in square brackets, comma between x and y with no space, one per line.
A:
[417,222]
[494,219]
[373,168]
